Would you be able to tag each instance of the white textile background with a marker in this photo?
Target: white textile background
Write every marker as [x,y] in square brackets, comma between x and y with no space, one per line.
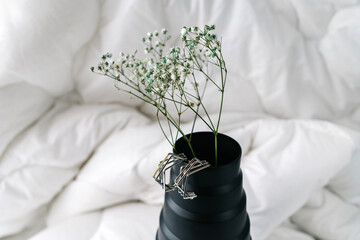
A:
[77,156]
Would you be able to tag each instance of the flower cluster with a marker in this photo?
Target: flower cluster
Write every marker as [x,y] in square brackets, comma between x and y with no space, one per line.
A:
[193,38]
[162,76]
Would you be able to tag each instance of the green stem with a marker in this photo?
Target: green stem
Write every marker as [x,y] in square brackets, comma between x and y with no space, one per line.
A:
[201,103]
[162,130]
[172,121]
[223,81]
[216,149]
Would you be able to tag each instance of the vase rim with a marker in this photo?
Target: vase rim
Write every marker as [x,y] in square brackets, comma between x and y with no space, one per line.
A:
[228,164]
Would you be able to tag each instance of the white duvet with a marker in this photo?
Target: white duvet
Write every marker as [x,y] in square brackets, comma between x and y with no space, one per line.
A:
[77,156]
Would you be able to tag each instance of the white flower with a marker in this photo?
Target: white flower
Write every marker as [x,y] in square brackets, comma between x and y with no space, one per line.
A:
[183,31]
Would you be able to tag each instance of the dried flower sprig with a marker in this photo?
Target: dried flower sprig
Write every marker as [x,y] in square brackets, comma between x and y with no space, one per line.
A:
[165,78]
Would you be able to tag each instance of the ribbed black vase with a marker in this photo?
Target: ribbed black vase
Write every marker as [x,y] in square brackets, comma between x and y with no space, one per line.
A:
[219,210]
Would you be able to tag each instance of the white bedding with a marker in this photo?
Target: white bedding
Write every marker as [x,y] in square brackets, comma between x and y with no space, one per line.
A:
[77,156]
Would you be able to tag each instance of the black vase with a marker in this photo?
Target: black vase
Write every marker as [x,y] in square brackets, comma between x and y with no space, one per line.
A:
[219,210]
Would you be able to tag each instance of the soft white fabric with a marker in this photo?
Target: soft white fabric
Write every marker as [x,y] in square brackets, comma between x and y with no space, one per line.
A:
[77,156]
[326,216]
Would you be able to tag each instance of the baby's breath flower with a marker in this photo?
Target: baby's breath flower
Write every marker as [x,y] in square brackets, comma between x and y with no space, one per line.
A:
[183,31]
[194,29]
[166,72]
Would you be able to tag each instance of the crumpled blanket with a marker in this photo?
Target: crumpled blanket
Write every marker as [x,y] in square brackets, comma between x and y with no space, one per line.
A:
[77,156]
